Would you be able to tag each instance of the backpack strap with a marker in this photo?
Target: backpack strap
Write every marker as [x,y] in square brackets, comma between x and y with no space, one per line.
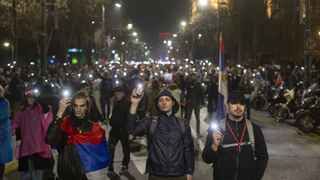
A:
[250,133]
[153,126]
[154,123]
[182,125]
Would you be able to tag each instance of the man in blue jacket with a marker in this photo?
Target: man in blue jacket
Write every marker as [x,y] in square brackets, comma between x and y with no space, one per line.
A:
[171,151]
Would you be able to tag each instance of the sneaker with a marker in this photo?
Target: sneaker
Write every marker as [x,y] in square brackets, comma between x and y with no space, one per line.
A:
[111,173]
[199,135]
[124,169]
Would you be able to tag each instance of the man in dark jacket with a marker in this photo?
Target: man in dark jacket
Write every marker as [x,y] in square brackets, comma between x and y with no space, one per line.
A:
[171,153]
[16,89]
[81,143]
[233,81]
[195,100]
[236,159]
[118,131]
[95,115]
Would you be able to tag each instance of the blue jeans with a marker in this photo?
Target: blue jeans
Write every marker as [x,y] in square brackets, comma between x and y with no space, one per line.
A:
[32,174]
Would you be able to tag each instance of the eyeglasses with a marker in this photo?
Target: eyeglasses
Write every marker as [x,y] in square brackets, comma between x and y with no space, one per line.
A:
[234,102]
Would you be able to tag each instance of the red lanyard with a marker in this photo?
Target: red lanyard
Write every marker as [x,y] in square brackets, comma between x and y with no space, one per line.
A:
[244,129]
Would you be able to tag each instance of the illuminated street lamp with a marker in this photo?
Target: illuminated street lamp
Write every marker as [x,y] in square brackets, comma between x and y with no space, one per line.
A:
[12,49]
[118,5]
[183,23]
[134,34]
[203,2]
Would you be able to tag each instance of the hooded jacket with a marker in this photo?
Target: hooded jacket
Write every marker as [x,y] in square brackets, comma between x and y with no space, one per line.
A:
[170,152]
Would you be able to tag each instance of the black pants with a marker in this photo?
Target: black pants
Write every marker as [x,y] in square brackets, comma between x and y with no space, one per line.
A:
[1,171]
[196,108]
[156,177]
[114,137]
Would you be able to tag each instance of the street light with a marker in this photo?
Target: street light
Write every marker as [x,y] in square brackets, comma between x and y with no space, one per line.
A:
[203,2]
[12,49]
[183,23]
[134,34]
[118,5]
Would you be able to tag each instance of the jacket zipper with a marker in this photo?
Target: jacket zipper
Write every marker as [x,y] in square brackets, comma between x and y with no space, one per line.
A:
[237,153]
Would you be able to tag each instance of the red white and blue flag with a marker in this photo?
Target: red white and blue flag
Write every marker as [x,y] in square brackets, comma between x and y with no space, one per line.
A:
[52,16]
[223,83]
[92,148]
[297,15]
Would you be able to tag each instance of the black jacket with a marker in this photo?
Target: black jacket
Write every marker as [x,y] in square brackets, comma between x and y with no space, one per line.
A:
[170,152]
[119,114]
[16,89]
[69,163]
[194,89]
[229,163]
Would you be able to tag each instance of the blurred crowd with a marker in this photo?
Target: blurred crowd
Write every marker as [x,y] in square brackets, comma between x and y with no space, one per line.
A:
[100,80]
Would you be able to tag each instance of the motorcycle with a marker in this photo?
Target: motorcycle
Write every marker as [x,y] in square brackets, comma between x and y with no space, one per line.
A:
[309,98]
[292,104]
[308,119]
[277,97]
[263,96]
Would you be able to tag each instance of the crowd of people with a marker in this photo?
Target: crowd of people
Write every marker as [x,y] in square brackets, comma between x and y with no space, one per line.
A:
[80,97]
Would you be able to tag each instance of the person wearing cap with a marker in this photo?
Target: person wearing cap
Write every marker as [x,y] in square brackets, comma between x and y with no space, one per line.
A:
[118,131]
[239,161]
[171,152]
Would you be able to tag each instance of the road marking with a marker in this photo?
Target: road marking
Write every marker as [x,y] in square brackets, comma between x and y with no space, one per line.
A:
[274,127]
[315,138]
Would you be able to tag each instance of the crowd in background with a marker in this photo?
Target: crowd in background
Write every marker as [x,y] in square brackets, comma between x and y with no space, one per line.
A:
[193,85]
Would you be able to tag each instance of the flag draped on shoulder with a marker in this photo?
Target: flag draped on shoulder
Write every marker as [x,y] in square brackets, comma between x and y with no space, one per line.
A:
[223,83]
[92,148]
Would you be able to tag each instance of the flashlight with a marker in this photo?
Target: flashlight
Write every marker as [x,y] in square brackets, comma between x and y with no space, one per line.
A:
[215,126]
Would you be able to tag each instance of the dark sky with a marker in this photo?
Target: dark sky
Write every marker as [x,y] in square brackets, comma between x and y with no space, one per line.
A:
[149,17]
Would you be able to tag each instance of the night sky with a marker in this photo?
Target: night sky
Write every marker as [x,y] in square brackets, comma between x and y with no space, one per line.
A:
[149,17]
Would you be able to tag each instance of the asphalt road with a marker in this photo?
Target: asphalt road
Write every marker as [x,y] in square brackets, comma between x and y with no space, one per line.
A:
[293,155]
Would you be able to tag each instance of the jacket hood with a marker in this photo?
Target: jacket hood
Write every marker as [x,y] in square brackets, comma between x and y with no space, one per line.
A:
[166,92]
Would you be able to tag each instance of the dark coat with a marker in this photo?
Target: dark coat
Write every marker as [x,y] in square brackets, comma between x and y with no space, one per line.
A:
[228,163]
[194,87]
[119,114]
[233,83]
[213,93]
[16,89]
[170,152]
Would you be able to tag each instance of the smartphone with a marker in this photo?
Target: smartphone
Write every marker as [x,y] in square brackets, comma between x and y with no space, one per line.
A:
[215,126]
[139,90]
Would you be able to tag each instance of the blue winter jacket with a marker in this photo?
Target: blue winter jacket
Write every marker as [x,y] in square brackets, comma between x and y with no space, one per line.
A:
[5,132]
[170,152]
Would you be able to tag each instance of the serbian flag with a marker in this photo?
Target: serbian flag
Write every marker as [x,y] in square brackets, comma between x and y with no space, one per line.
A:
[92,148]
[297,12]
[52,16]
[223,83]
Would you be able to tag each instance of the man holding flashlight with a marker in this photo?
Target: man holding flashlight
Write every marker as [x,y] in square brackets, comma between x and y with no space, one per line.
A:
[231,152]
[171,149]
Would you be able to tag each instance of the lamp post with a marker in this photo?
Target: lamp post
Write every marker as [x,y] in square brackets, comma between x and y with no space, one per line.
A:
[12,49]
